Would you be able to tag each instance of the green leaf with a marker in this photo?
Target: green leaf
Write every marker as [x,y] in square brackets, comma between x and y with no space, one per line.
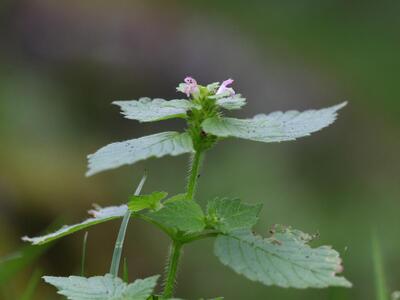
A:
[285,259]
[231,102]
[274,127]
[228,215]
[100,215]
[105,287]
[184,215]
[148,110]
[176,197]
[151,201]
[129,152]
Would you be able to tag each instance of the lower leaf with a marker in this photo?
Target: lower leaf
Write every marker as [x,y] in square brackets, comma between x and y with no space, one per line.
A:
[184,215]
[105,287]
[285,259]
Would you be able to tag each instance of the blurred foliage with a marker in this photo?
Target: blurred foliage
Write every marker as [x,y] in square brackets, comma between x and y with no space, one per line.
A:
[64,62]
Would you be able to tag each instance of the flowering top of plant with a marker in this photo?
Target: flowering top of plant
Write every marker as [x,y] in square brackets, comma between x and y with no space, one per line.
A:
[203,111]
[284,259]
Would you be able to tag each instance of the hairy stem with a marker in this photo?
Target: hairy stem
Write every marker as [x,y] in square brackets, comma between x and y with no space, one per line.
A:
[172,269]
[194,174]
[176,247]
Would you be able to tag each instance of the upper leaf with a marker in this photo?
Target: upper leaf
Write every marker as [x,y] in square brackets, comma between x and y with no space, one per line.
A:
[184,215]
[129,152]
[151,201]
[100,216]
[285,259]
[274,127]
[228,215]
[105,287]
[230,102]
[148,110]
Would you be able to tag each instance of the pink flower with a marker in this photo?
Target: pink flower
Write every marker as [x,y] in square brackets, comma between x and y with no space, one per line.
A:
[190,86]
[225,89]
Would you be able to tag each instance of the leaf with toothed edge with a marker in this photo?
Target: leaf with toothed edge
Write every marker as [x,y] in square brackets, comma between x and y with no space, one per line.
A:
[105,287]
[184,215]
[285,259]
[228,101]
[228,215]
[100,215]
[274,127]
[129,152]
[151,201]
[149,110]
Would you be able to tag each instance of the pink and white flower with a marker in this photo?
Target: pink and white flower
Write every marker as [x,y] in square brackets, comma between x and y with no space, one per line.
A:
[224,89]
[190,86]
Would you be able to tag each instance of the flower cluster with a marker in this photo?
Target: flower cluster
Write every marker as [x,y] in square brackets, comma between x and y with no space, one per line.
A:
[191,88]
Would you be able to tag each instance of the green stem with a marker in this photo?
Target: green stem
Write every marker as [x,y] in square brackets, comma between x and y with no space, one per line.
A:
[172,269]
[194,174]
[176,247]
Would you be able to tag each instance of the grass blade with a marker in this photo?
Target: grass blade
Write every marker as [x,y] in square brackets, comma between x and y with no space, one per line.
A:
[84,246]
[379,271]
[114,269]
[125,276]
[32,285]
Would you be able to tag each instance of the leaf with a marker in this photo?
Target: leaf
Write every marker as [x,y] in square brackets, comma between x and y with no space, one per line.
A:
[184,215]
[274,127]
[105,287]
[148,110]
[231,102]
[229,215]
[129,152]
[177,197]
[151,201]
[100,215]
[285,259]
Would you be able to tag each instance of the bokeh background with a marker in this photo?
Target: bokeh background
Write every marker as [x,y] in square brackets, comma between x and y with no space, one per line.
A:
[63,62]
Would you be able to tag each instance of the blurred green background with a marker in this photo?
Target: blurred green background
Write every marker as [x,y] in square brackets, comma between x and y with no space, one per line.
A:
[63,62]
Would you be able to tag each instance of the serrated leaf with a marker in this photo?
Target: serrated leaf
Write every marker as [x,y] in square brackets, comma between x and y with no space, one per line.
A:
[177,197]
[184,215]
[151,201]
[274,127]
[231,102]
[285,259]
[105,287]
[129,152]
[148,110]
[100,215]
[228,215]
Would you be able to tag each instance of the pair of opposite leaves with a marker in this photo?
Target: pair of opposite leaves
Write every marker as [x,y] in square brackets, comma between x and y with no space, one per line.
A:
[274,127]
